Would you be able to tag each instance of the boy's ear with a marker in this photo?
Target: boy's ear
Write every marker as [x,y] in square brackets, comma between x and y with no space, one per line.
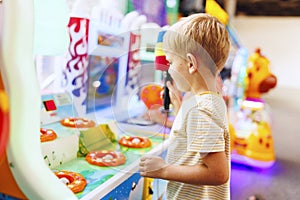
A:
[192,63]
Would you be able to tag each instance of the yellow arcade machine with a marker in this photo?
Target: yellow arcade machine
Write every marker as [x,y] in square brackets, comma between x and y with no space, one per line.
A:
[251,133]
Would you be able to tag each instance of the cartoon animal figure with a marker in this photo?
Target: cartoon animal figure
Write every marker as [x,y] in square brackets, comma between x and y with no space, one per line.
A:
[259,78]
[136,190]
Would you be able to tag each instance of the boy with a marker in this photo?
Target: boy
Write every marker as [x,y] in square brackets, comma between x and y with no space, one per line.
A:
[198,159]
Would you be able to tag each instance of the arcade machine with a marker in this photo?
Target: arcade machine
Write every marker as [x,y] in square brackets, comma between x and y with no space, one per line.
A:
[93,154]
[250,77]
[54,151]
[251,133]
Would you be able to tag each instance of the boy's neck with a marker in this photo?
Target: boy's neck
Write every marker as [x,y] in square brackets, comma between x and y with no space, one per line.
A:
[200,85]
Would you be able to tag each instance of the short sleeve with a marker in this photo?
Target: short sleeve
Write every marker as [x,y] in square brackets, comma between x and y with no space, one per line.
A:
[204,135]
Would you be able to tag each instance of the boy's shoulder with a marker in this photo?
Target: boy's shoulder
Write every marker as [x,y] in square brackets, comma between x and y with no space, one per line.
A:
[209,100]
[209,103]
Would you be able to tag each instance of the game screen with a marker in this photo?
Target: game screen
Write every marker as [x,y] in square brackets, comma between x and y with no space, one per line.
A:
[106,39]
[103,77]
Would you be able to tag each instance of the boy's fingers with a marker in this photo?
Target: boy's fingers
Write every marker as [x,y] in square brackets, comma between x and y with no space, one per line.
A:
[162,94]
[170,86]
[145,157]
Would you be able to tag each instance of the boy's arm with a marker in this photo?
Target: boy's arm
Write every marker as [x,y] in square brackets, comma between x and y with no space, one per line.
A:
[213,171]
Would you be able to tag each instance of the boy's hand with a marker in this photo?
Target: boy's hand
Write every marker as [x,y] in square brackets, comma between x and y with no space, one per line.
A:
[175,96]
[154,114]
[152,166]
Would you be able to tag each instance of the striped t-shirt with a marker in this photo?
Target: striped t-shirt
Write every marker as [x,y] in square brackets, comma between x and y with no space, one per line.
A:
[201,126]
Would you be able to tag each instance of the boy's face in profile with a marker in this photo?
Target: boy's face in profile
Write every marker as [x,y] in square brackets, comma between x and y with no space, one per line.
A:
[179,71]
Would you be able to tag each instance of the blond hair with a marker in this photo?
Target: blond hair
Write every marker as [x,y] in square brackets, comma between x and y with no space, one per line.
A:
[202,35]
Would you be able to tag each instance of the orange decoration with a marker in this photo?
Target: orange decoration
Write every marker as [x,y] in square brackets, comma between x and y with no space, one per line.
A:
[77,122]
[105,158]
[47,135]
[75,181]
[4,118]
[151,95]
[135,142]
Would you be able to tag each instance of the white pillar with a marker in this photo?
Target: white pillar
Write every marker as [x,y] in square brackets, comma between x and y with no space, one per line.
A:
[230,7]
